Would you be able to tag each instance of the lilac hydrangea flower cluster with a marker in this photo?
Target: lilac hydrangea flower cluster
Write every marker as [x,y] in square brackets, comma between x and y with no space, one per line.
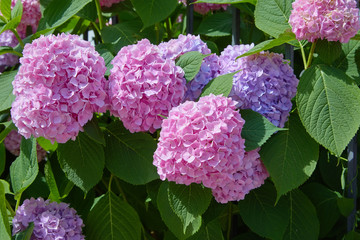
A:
[177,47]
[200,142]
[58,87]
[12,143]
[266,83]
[51,220]
[30,17]
[109,3]
[334,20]
[8,39]
[204,8]
[143,85]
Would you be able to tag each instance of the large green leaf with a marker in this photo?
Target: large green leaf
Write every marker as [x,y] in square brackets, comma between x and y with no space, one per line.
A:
[257,129]
[349,60]
[5,233]
[212,231]
[290,156]
[266,45]
[2,158]
[153,11]
[111,218]
[172,221]
[82,161]
[17,10]
[130,156]
[191,62]
[220,85]
[188,202]
[304,223]
[263,215]
[59,11]
[272,16]
[325,202]
[24,169]
[227,1]
[93,130]
[8,127]
[216,25]
[329,106]
[328,51]
[5,7]
[51,182]
[6,88]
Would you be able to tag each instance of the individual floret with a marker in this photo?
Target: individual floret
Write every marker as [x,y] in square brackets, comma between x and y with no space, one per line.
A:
[209,68]
[334,20]
[51,220]
[144,86]
[204,8]
[12,143]
[58,87]
[109,3]
[266,83]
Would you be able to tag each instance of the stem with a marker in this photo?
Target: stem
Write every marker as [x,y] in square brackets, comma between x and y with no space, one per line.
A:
[98,9]
[143,232]
[10,208]
[18,37]
[168,28]
[311,55]
[110,181]
[229,222]
[120,189]
[97,30]
[18,201]
[303,55]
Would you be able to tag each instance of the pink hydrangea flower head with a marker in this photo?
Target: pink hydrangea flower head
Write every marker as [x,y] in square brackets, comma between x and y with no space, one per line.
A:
[51,220]
[250,175]
[200,141]
[58,87]
[30,17]
[109,3]
[334,20]
[204,8]
[144,85]
[266,83]
[12,144]
[8,39]
[209,68]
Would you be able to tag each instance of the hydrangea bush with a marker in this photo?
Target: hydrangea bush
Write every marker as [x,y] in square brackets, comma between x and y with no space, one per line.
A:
[117,121]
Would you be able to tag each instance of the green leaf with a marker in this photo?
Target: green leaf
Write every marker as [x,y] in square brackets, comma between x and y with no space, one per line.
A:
[188,202]
[191,62]
[329,106]
[345,205]
[2,158]
[24,169]
[257,129]
[130,156]
[112,218]
[8,127]
[220,85]
[328,51]
[352,236]
[262,214]
[26,234]
[325,202]
[6,186]
[51,182]
[212,231]
[17,10]
[5,7]
[5,49]
[5,233]
[152,12]
[46,144]
[216,25]
[272,16]
[89,12]
[290,156]
[227,1]
[172,221]
[304,223]
[12,24]
[266,45]
[59,11]
[349,60]
[107,55]
[82,161]
[6,88]
[93,131]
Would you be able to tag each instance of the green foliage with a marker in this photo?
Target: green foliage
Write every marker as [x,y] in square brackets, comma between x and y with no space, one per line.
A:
[220,85]
[191,62]
[26,234]
[227,1]
[112,218]
[2,158]
[5,7]
[216,25]
[329,106]
[328,51]
[6,88]
[5,232]
[349,60]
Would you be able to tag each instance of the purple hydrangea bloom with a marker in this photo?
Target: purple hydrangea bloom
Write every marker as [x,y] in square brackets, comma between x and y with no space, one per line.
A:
[209,68]
[51,220]
[8,39]
[109,3]
[143,85]
[58,87]
[334,20]
[266,83]
[204,8]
